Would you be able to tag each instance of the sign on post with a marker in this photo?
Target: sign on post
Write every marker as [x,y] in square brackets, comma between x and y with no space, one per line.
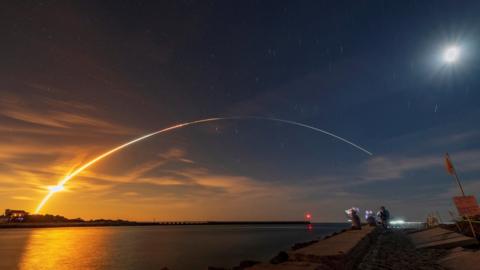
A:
[466,205]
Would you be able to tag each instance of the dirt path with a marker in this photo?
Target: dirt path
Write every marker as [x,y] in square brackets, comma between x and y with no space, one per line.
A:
[393,250]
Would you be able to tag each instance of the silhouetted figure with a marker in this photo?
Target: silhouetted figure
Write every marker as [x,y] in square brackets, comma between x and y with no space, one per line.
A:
[384,216]
[371,221]
[355,220]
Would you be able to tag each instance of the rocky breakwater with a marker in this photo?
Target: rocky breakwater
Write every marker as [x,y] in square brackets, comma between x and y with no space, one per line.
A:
[340,251]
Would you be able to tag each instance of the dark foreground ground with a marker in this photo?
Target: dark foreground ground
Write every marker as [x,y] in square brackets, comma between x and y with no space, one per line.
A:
[394,250]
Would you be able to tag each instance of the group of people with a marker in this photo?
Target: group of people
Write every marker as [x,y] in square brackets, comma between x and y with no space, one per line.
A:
[383,216]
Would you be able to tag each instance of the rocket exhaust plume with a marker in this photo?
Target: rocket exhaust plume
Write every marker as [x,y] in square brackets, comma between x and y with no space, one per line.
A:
[69,176]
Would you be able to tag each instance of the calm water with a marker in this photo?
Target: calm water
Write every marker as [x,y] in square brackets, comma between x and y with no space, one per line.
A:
[177,247]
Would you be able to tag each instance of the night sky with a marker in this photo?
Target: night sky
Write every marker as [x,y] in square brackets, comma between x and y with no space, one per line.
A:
[77,79]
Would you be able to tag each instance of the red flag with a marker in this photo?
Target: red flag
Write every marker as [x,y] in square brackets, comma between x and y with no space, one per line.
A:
[449,165]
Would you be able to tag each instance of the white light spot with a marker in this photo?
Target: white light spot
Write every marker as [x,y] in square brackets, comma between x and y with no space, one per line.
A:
[55,188]
[451,54]
[396,222]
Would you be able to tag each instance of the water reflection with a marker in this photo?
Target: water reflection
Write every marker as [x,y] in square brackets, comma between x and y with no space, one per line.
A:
[150,247]
[65,248]
[12,244]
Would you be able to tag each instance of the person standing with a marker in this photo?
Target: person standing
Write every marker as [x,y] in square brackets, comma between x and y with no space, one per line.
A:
[356,225]
[371,221]
[384,216]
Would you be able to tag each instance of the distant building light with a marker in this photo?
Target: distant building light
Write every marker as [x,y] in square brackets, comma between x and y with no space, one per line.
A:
[15,215]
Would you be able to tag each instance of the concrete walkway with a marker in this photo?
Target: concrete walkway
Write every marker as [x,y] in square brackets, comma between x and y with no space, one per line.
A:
[462,259]
[458,257]
[440,238]
[337,252]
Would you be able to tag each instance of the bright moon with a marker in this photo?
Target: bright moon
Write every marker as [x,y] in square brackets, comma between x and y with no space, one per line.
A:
[451,54]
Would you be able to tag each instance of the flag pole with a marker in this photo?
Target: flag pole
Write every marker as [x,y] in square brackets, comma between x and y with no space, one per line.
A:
[463,193]
[458,181]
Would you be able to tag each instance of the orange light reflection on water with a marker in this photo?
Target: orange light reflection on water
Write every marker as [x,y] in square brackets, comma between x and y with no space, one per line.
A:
[65,248]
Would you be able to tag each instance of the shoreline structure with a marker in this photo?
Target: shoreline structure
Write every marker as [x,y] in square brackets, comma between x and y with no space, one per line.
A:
[434,248]
[339,250]
[113,223]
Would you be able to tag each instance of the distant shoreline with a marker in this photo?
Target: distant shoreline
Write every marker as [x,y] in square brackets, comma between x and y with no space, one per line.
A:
[20,225]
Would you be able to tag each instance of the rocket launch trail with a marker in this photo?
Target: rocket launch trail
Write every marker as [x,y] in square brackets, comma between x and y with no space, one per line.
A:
[68,177]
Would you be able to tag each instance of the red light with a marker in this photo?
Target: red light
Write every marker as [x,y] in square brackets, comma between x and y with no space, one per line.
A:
[308,216]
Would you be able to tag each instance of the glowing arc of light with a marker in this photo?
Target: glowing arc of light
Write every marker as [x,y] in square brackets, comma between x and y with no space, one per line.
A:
[102,156]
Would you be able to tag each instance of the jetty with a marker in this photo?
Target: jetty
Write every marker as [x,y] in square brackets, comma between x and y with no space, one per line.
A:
[376,248]
[438,237]
[460,255]
[337,251]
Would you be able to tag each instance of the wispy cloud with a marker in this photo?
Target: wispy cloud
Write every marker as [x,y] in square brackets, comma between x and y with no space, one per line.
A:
[58,114]
[42,139]
[172,177]
[394,167]
[23,198]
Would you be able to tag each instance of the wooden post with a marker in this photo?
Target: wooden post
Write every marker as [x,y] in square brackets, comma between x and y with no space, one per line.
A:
[455,220]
